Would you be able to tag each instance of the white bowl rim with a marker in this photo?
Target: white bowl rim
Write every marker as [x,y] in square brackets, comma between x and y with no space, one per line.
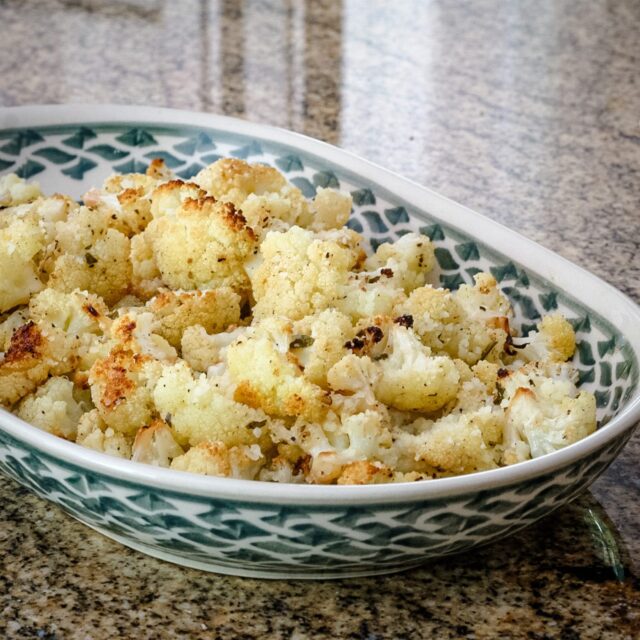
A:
[610,303]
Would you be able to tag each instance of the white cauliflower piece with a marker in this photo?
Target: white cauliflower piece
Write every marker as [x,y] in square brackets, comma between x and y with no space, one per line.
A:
[20,241]
[53,408]
[464,325]
[302,273]
[554,341]
[198,409]
[91,256]
[317,342]
[267,377]
[15,190]
[169,197]
[204,245]
[154,444]
[545,412]
[94,434]
[412,379]
[201,350]
[175,311]
[459,443]
[408,260]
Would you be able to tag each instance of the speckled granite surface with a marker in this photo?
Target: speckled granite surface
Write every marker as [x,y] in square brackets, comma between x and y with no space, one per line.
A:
[527,112]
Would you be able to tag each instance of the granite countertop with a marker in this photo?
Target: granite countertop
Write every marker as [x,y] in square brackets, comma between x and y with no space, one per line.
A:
[527,112]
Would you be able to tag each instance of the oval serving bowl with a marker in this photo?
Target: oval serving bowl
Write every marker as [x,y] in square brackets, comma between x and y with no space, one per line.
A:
[259,529]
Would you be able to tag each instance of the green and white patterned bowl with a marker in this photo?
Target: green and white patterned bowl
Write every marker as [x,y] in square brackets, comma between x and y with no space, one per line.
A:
[270,530]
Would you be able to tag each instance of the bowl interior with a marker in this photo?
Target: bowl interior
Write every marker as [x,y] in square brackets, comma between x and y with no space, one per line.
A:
[71,158]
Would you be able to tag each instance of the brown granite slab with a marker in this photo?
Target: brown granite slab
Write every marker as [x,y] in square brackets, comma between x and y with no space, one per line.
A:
[528,112]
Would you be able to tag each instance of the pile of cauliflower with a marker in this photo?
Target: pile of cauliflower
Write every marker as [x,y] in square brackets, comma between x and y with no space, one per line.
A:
[229,326]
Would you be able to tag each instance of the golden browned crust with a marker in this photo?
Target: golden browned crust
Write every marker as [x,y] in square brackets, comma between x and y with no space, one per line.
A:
[113,374]
[26,346]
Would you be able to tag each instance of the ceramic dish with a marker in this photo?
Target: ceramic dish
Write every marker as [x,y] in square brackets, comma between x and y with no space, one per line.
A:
[270,530]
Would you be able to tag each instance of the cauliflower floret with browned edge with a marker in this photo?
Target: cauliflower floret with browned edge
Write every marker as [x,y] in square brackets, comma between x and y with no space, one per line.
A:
[554,341]
[218,459]
[302,273]
[336,443]
[168,197]
[122,385]
[203,246]
[94,434]
[468,332]
[408,260]
[411,378]
[268,377]
[91,256]
[199,409]
[266,198]
[366,472]
[15,190]
[126,200]
[122,382]
[20,241]
[53,408]
[154,444]
[175,311]
[458,443]
[137,330]
[61,327]
[202,350]
[545,412]
[261,192]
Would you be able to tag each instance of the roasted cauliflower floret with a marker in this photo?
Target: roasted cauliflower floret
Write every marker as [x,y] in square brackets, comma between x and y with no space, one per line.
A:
[460,443]
[122,387]
[93,433]
[268,377]
[137,331]
[201,350]
[169,197]
[545,412]
[317,342]
[484,299]
[199,409]
[261,192]
[126,200]
[407,261]
[15,190]
[302,273]
[175,311]
[91,256]
[218,459]
[331,209]
[20,241]
[464,325]
[154,444]
[52,342]
[554,341]
[53,408]
[411,378]
[204,245]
